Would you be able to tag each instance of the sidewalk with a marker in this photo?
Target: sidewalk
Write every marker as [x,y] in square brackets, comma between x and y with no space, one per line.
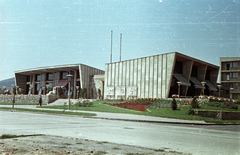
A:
[123,117]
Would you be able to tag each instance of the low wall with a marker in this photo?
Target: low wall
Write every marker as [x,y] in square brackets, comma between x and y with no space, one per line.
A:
[28,98]
[221,115]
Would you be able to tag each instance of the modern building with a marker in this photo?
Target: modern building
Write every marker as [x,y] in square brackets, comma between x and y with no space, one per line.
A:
[160,76]
[41,80]
[230,74]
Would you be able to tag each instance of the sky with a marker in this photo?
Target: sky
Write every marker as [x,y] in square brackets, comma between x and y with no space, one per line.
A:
[56,32]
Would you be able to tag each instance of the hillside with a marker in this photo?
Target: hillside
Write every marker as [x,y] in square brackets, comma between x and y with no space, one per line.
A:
[8,83]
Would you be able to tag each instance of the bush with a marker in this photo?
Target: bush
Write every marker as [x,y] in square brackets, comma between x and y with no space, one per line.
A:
[84,103]
[174,104]
[195,103]
[160,104]
[228,105]
[6,136]
[190,111]
[60,91]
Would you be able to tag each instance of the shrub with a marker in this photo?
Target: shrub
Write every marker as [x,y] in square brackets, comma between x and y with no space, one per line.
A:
[84,103]
[190,111]
[228,105]
[231,105]
[160,104]
[174,104]
[60,91]
[99,94]
[6,136]
[195,103]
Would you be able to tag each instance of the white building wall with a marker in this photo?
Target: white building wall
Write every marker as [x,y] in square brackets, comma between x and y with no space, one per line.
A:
[147,77]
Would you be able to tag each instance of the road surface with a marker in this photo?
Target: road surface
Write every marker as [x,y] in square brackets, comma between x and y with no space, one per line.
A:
[206,139]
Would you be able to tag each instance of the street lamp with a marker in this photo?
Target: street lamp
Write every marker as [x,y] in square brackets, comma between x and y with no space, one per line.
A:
[13,96]
[219,87]
[203,84]
[77,91]
[69,83]
[17,89]
[30,89]
[179,84]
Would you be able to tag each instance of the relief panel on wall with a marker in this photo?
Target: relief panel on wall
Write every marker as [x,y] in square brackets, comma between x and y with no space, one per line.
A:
[120,90]
[132,91]
[110,91]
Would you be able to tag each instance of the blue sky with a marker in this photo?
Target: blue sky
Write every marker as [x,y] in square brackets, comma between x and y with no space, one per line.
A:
[55,32]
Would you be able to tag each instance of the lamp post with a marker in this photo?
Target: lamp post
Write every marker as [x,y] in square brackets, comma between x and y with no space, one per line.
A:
[219,88]
[203,84]
[17,89]
[77,91]
[179,84]
[231,89]
[13,95]
[30,89]
[69,83]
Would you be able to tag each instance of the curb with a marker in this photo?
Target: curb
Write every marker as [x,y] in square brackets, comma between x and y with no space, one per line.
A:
[130,120]
[148,121]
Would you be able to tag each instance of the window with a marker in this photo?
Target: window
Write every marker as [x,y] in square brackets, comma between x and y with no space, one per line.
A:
[233,64]
[228,66]
[234,85]
[28,78]
[50,76]
[234,75]
[64,75]
[235,96]
[38,77]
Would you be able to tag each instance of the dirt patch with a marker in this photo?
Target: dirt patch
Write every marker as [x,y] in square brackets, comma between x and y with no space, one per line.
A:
[54,145]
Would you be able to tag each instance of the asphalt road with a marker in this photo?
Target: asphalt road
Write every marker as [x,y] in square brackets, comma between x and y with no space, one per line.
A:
[195,139]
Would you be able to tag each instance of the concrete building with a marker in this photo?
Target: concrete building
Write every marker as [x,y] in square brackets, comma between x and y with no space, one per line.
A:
[230,74]
[160,76]
[43,79]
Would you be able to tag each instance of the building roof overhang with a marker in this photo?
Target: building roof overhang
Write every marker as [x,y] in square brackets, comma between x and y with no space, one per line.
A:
[49,69]
[196,62]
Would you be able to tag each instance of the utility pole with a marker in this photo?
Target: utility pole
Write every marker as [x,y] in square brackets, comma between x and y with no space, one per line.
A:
[111,46]
[120,45]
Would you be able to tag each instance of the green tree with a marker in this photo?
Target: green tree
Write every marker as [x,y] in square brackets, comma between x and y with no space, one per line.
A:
[99,94]
[195,103]
[92,93]
[174,104]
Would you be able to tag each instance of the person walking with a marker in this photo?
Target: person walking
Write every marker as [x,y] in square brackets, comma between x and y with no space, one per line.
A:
[40,100]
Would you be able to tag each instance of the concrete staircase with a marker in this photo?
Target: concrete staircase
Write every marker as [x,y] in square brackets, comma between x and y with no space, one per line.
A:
[62,101]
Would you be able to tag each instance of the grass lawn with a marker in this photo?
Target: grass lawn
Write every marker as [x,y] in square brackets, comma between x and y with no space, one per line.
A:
[49,111]
[181,113]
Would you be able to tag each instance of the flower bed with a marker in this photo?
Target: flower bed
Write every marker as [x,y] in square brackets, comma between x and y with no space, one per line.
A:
[131,105]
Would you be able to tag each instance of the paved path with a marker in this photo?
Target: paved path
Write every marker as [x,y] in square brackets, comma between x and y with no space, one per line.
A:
[125,117]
